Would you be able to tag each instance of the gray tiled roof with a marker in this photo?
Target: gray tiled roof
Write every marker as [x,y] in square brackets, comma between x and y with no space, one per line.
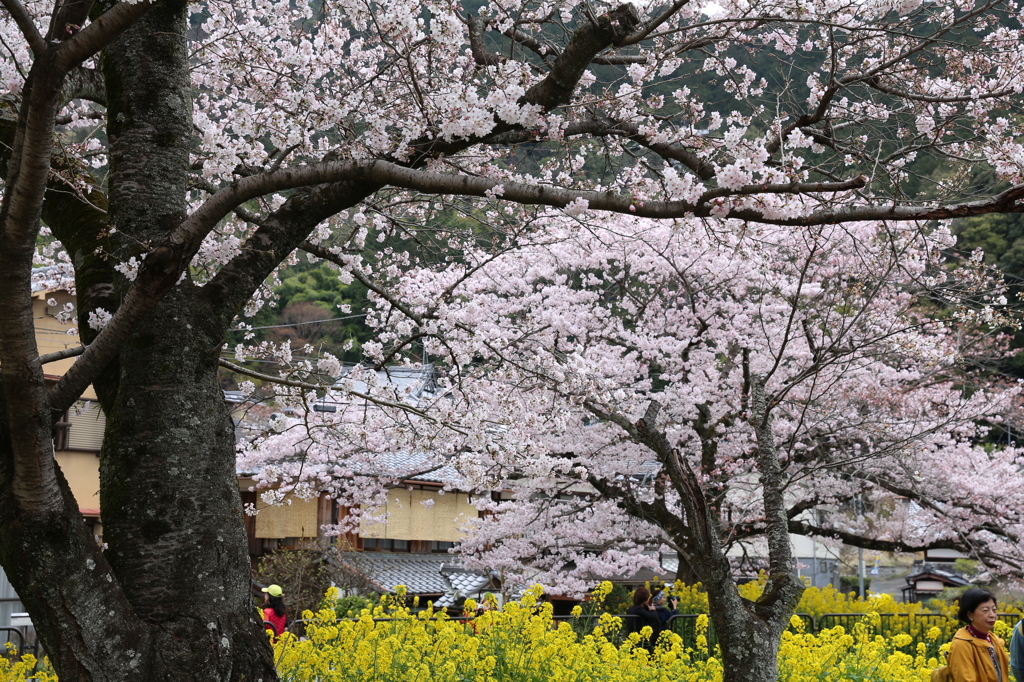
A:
[933,570]
[44,278]
[418,466]
[421,574]
[409,383]
[462,583]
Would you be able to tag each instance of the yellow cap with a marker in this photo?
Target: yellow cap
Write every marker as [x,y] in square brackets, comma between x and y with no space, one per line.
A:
[273,590]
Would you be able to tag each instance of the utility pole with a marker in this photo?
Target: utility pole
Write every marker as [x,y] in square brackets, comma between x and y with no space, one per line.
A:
[860,570]
[814,551]
[860,550]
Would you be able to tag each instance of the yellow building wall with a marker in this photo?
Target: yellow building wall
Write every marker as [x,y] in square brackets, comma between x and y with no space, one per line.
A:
[82,470]
[52,336]
[296,518]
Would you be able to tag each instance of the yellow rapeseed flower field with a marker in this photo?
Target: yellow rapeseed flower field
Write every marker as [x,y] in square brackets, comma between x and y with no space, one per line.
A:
[524,643]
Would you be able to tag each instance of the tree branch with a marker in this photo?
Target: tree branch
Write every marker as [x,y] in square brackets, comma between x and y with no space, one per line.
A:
[653,25]
[476,44]
[855,540]
[100,32]
[936,99]
[61,355]
[572,62]
[28,27]
[323,387]
[83,83]
[287,227]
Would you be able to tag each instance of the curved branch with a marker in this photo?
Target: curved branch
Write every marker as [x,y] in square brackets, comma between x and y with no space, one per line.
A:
[937,99]
[855,540]
[100,32]
[61,355]
[84,83]
[287,227]
[653,25]
[476,44]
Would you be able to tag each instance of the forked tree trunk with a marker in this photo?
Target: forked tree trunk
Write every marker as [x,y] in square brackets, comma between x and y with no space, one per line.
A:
[749,644]
[748,632]
[171,509]
[170,598]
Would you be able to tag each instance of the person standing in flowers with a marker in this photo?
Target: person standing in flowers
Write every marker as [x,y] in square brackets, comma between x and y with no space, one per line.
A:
[976,655]
[275,617]
[665,606]
[643,614]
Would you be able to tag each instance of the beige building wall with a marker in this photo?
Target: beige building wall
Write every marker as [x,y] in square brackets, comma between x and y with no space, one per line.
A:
[52,336]
[296,518]
[422,515]
[79,462]
[82,469]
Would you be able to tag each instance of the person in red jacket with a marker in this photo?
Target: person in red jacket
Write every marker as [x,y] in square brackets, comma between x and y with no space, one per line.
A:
[275,618]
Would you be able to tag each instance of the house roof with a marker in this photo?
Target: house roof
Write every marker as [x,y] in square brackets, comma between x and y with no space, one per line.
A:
[420,574]
[462,583]
[932,572]
[45,278]
[411,384]
[418,466]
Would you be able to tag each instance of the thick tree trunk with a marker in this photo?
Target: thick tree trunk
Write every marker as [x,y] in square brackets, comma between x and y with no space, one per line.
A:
[171,509]
[88,628]
[170,599]
[748,632]
[750,646]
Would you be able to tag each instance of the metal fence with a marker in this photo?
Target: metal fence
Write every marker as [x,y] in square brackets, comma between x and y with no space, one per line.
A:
[887,625]
[15,637]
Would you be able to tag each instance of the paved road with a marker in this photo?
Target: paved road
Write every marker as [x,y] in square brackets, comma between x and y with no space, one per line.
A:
[890,585]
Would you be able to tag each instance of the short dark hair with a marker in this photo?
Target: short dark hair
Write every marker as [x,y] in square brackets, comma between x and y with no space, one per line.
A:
[972,599]
[277,603]
[641,596]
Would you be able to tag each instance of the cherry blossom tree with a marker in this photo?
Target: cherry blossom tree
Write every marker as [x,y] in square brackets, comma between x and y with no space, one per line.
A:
[680,384]
[165,158]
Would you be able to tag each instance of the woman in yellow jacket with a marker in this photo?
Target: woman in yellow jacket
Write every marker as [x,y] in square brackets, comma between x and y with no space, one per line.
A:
[976,655]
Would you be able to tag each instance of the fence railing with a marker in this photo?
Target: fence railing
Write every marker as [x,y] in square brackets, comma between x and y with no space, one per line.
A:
[8,631]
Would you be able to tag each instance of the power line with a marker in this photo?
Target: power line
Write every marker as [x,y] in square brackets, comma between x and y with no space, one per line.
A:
[299,324]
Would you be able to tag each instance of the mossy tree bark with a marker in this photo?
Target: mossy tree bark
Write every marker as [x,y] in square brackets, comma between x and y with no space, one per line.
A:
[170,598]
[169,493]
